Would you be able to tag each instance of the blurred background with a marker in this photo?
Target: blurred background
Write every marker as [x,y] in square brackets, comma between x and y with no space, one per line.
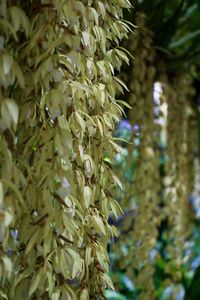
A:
[157,253]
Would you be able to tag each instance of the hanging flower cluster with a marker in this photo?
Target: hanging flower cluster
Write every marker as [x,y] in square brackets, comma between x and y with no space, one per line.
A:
[153,195]
[179,178]
[141,195]
[58,113]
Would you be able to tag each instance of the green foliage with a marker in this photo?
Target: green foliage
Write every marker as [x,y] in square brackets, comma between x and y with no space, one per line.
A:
[176,30]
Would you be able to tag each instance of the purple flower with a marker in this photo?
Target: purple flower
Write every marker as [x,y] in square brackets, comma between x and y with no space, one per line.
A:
[136,127]
[124,124]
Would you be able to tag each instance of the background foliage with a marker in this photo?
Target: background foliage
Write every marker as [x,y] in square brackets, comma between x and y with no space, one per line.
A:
[175,152]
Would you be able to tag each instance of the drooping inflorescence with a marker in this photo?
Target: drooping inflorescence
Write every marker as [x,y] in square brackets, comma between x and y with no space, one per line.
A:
[58,190]
[142,193]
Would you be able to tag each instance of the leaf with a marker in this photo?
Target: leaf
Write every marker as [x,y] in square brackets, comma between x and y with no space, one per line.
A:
[9,28]
[7,218]
[108,281]
[121,83]
[1,193]
[126,51]
[71,295]
[7,265]
[115,207]
[48,236]
[35,283]
[32,241]
[51,283]
[77,262]
[95,15]
[99,224]
[89,166]
[62,122]
[84,295]
[166,51]
[55,296]
[16,191]
[112,295]
[3,295]
[77,267]
[7,63]
[19,18]
[184,39]
[117,181]
[102,9]
[101,65]
[125,3]
[15,17]
[87,116]
[100,127]
[10,113]
[116,147]
[80,120]
[88,256]
[82,87]
[122,140]
[86,38]
[63,263]
[124,103]
[122,55]
[87,192]
[18,73]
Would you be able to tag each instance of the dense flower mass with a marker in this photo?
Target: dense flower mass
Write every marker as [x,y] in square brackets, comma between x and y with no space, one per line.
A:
[58,112]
